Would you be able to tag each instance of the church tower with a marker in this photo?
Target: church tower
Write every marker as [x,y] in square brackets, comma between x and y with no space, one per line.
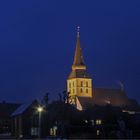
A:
[79,83]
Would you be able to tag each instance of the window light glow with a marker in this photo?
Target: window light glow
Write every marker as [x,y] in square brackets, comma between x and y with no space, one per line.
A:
[40,109]
[98,122]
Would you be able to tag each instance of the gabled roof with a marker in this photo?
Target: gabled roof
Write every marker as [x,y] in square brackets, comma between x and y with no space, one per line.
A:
[116,97]
[6,109]
[104,96]
[21,109]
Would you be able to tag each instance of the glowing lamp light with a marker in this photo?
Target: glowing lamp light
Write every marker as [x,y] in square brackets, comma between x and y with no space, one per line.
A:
[40,109]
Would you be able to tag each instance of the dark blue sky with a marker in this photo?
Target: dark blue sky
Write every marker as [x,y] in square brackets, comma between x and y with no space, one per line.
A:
[37,43]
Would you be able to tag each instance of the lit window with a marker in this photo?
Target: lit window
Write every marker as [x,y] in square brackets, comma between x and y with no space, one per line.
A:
[98,132]
[54,130]
[51,131]
[34,131]
[87,84]
[98,122]
[69,85]
[81,84]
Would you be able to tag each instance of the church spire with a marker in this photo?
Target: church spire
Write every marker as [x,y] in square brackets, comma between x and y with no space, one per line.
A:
[78,62]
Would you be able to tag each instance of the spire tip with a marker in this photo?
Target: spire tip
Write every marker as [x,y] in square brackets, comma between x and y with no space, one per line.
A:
[78,31]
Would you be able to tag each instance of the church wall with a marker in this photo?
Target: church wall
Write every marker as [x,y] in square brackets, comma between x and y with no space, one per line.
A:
[80,87]
[71,87]
[84,87]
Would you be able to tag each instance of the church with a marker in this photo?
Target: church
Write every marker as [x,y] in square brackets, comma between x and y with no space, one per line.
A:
[81,92]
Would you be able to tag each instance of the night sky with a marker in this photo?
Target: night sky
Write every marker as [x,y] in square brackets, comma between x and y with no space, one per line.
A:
[37,44]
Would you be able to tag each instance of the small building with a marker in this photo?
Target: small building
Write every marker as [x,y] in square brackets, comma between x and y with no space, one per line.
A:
[27,121]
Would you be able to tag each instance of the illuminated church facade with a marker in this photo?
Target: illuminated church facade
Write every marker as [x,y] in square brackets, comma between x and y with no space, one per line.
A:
[80,91]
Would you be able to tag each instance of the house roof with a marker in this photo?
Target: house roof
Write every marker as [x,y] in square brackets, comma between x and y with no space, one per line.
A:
[21,109]
[6,109]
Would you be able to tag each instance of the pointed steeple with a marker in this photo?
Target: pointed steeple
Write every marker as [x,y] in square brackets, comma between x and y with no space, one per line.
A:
[78,62]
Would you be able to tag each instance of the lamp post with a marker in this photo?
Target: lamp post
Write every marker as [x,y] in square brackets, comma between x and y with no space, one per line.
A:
[39,109]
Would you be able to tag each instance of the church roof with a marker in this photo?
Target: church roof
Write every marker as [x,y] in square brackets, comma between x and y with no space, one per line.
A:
[78,57]
[104,96]
[86,102]
[116,97]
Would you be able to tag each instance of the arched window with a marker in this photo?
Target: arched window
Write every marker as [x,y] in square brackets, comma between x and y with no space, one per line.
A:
[69,85]
[81,83]
[87,84]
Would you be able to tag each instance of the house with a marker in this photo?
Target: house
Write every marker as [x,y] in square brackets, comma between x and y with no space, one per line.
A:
[29,121]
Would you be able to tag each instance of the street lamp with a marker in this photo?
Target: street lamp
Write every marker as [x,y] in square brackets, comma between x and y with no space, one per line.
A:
[39,109]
